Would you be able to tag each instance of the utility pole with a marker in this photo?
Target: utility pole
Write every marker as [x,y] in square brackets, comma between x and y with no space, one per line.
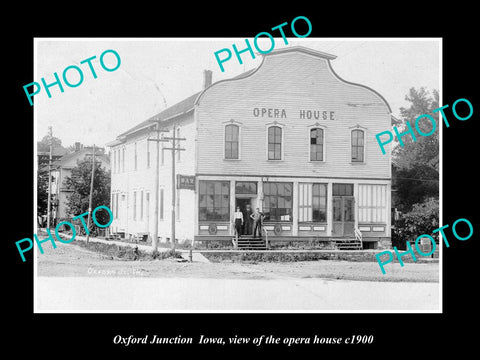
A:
[157,185]
[174,148]
[91,194]
[49,175]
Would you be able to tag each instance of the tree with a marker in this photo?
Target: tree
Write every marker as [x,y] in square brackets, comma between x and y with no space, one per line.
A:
[425,149]
[416,170]
[415,184]
[44,144]
[79,183]
[422,219]
[42,192]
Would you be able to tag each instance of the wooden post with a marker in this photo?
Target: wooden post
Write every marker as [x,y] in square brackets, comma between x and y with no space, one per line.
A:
[49,176]
[174,190]
[91,193]
[173,139]
[157,184]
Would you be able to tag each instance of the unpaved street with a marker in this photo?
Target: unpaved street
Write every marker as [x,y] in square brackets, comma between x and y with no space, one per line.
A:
[72,260]
[71,279]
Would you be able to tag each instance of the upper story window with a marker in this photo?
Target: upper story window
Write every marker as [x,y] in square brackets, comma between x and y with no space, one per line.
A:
[135,156]
[141,205]
[134,205]
[148,154]
[316,144]
[232,133]
[163,152]
[123,159]
[274,143]
[114,161]
[358,145]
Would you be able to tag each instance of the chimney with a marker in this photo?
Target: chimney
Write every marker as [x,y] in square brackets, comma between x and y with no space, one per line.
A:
[207,78]
[77,146]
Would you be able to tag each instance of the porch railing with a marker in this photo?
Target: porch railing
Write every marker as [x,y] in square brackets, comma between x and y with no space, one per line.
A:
[235,242]
[266,237]
[358,236]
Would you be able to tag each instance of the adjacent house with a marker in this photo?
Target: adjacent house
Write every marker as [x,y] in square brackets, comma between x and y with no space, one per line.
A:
[61,169]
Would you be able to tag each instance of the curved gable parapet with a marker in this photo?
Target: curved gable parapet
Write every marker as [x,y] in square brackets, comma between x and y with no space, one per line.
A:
[300,61]
[241,76]
[360,85]
[297,90]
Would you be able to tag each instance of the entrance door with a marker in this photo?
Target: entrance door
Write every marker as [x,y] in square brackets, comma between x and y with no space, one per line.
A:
[242,204]
[343,215]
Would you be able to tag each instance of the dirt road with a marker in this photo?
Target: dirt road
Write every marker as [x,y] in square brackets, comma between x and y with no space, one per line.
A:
[72,279]
[71,260]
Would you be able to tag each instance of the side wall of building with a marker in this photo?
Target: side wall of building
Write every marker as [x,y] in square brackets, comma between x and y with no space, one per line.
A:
[133,183]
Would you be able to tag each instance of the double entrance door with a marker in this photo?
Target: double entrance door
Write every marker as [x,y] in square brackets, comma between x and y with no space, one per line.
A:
[343,216]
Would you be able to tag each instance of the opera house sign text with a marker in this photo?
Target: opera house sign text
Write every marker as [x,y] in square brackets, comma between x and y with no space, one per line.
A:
[302,114]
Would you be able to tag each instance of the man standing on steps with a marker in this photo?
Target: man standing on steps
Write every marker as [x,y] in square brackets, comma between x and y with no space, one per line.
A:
[257,218]
[248,220]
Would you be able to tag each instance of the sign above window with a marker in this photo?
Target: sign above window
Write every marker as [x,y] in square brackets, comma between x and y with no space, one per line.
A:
[186,182]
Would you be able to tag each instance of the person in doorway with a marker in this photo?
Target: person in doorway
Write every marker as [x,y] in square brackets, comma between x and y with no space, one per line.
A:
[238,218]
[248,220]
[257,218]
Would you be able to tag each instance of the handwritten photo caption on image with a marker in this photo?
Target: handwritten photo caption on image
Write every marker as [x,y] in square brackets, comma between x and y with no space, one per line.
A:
[37,87]
[57,235]
[114,272]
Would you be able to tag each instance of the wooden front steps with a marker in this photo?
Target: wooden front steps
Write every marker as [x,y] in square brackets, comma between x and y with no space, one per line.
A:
[248,242]
[348,244]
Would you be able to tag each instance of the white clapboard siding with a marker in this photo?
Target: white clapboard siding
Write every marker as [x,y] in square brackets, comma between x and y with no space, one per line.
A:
[292,81]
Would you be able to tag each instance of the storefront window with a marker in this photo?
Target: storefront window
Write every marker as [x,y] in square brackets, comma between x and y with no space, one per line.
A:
[312,202]
[277,202]
[372,203]
[214,200]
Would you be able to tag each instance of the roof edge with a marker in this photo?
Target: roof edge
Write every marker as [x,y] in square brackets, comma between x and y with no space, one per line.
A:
[148,123]
[303,49]
[295,48]
[239,77]
[360,85]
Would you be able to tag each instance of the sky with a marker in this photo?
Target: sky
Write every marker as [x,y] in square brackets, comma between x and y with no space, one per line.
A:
[155,73]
